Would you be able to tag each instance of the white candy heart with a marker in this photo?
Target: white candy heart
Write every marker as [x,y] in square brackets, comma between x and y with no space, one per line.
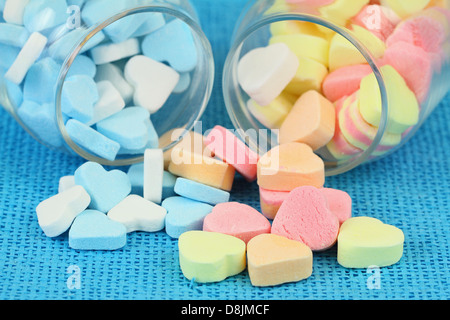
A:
[153,81]
[263,73]
[139,214]
[56,214]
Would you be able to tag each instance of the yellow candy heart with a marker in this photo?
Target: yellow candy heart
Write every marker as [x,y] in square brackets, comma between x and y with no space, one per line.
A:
[210,256]
[365,242]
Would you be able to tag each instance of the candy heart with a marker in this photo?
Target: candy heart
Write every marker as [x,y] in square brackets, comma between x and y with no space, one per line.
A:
[365,242]
[138,214]
[263,73]
[79,95]
[167,43]
[404,107]
[289,166]
[274,260]
[311,121]
[236,219]
[153,82]
[106,189]
[93,230]
[209,256]
[200,192]
[56,214]
[40,15]
[304,216]
[91,140]
[128,127]
[184,215]
[227,146]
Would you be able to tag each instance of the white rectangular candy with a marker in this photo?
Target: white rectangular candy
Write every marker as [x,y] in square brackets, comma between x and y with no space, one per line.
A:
[30,52]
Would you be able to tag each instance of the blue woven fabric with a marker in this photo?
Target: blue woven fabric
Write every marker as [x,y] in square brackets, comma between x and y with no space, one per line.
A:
[410,189]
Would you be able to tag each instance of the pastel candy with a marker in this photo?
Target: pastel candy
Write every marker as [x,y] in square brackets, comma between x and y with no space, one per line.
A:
[421,31]
[82,65]
[192,141]
[289,166]
[153,82]
[340,11]
[153,175]
[200,192]
[7,55]
[274,260]
[293,27]
[343,53]
[403,9]
[339,147]
[339,203]
[65,183]
[227,146]
[93,230]
[112,73]
[375,18]
[304,216]
[365,242]
[40,119]
[101,10]
[40,82]
[106,189]
[202,169]
[263,73]
[129,127]
[13,11]
[63,46]
[110,52]
[403,105]
[30,52]
[374,45]
[13,35]
[91,140]
[79,95]
[413,64]
[136,174]
[41,15]
[138,214]
[184,215]
[344,81]
[305,45]
[109,103]
[271,201]
[272,115]
[207,257]
[56,214]
[362,134]
[166,44]
[311,121]
[310,75]
[236,219]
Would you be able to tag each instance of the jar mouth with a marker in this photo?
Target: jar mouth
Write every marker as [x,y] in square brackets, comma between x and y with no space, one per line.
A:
[234,100]
[199,36]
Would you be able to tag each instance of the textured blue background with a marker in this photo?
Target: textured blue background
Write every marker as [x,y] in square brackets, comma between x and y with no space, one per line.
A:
[409,189]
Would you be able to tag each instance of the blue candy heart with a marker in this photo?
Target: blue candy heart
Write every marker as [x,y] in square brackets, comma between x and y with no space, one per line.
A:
[174,44]
[106,189]
[93,230]
[184,215]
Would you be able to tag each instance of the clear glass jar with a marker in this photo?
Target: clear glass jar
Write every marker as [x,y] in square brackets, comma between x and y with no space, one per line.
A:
[363,29]
[71,30]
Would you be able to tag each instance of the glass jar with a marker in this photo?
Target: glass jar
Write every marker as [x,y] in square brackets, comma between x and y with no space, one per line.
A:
[66,61]
[402,48]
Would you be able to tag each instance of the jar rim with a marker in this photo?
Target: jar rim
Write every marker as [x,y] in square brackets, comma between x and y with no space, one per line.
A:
[236,47]
[165,8]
